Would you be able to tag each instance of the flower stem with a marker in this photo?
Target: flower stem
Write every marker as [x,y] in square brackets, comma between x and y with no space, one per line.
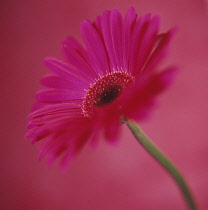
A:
[162,160]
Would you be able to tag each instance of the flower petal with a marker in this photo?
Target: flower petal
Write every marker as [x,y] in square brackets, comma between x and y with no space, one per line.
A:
[148,38]
[54,108]
[66,139]
[159,50]
[116,32]
[57,95]
[129,22]
[64,70]
[78,57]
[136,41]
[106,31]
[57,82]
[94,47]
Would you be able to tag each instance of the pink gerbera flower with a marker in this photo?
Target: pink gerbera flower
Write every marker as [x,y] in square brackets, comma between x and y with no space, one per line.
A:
[113,75]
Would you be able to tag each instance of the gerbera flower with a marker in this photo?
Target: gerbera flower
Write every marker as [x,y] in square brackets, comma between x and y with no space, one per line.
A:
[113,75]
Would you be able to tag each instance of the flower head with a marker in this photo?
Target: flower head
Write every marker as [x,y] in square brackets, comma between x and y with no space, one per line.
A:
[114,74]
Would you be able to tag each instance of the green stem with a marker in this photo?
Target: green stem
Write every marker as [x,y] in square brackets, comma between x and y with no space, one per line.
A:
[163,160]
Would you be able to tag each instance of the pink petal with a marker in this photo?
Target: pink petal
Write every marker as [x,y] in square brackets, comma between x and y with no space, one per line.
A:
[163,80]
[68,139]
[57,95]
[64,70]
[78,57]
[57,82]
[78,141]
[106,31]
[129,22]
[116,32]
[159,50]
[137,41]
[37,133]
[94,47]
[54,108]
[97,24]
[59,116]
[148,38]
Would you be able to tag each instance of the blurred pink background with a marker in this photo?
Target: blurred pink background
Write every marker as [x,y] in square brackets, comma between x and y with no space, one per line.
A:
[105,178]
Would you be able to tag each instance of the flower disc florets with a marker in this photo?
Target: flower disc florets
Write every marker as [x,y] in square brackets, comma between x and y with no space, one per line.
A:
[105,90]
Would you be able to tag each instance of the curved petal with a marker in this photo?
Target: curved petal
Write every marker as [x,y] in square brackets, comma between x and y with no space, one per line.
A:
[78,57]
[106,31]
[116,33]
[66,139]
[64,70]
[159,50]
[94,47]
[54,95]
[57,82]
[54,109]
[129,21]
[137,40]
[148,37]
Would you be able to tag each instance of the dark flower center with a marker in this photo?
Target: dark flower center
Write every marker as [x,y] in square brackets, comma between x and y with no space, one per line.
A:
[108,95]
[105,91]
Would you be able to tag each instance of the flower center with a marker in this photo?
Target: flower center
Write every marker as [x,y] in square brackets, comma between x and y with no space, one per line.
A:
[104,91]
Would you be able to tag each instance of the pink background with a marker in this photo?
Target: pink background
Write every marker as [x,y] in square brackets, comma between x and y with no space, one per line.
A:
[105,178]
